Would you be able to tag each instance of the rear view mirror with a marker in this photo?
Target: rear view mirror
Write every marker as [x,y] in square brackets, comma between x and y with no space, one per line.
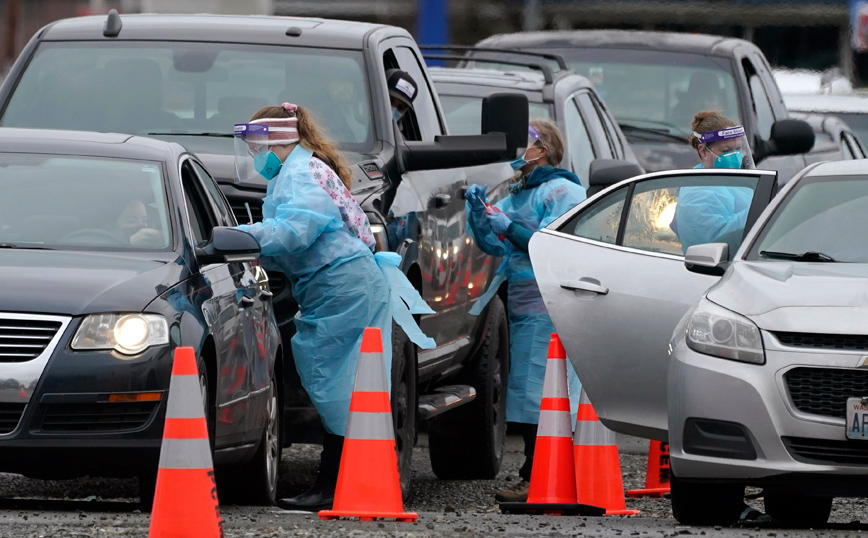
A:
[606,172]
[790,137]
[707,259]
[507,113]
[228,245]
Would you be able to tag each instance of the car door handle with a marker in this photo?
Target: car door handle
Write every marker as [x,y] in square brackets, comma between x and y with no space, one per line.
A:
[247,301]
[265,295]
[584,285]
[441,200]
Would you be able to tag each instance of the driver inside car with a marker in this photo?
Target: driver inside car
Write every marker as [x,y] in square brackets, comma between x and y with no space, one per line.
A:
[132,225]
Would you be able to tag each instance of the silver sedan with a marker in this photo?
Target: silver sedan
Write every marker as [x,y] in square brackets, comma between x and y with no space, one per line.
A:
[764,381]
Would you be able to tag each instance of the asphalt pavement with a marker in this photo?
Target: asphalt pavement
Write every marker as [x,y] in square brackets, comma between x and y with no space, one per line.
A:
[107,507]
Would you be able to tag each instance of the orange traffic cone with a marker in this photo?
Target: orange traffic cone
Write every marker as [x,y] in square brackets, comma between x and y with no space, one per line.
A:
[369,486]
[598,468]
[657,476]
[185,501]
[552,478]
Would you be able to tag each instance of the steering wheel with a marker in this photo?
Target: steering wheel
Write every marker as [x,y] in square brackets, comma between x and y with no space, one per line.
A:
[101,237]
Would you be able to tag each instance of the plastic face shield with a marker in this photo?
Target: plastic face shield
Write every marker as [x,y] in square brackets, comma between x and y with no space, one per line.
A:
[533,137]
[251,139]
[724,144]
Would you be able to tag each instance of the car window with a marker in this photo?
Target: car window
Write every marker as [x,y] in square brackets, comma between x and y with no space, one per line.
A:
[143,87]
[464,113]
[218,200]
[601,221]
[824,214]
[611,132]
[68,202]
[761,103]
[594,124]
[667,215]
[578,141]
[854,146]
[202,219]
[423,106]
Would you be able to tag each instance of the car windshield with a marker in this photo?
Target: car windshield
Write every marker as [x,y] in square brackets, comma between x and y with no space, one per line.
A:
[823,219]
[464,113]
[656,91]
[192,90]
[66,203]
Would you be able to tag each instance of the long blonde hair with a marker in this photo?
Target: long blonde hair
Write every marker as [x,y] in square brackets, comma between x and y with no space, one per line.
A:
[312,139]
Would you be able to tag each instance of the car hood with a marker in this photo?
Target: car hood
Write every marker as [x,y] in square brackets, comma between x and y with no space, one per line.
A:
[76,283]
[797,297]
[660,156]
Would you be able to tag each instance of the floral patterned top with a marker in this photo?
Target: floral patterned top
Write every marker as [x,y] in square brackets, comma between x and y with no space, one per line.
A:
[354,217]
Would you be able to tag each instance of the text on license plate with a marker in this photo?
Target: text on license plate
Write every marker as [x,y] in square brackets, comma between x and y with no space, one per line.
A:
[857,419]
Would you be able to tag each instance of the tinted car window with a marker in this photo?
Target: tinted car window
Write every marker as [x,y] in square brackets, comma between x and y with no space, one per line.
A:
[163,87]
[226,217]
[202,219]
[464,114]
[821,214]
[601,221]
[423,105]
[764,113]
[65,202]
[593,122]
[578,141]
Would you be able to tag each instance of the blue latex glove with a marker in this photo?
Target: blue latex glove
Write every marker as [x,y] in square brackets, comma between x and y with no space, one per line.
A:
[499,222]
[476,196]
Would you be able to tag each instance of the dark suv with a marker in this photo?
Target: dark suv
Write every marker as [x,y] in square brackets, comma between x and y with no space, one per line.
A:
[189,79]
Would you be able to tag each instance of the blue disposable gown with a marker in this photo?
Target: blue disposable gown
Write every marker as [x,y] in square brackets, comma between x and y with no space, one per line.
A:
[547,194]
[340,286]
[712,215]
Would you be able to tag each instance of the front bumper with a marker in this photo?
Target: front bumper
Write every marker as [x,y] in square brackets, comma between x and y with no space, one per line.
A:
[790,446]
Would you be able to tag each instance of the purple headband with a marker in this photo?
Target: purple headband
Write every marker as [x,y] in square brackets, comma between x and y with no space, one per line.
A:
[725,134]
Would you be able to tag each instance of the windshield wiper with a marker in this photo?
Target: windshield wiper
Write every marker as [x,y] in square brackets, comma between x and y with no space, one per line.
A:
[218,135]
[661,132]
[25,247]
[809,256]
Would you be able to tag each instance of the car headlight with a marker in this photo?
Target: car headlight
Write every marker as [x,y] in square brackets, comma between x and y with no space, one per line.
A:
[719,332]
[380,236]
[125,333]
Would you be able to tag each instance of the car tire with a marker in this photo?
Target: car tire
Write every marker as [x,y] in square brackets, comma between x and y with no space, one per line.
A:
[255,482]
[467,442]
[706,503]
[404,403]
[798,510]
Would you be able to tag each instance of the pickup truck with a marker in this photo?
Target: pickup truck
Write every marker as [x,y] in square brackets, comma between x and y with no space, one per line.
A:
[189,79]
[654,82]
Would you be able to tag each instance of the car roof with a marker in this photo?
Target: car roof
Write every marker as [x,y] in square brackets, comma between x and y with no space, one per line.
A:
[114,145]
[619,39]
[320,33]
[858,167]
[856,102]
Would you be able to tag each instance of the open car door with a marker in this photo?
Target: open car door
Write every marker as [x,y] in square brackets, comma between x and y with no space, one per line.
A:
[611,272]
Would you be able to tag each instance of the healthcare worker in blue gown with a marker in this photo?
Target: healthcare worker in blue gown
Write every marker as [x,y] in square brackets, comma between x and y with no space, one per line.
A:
[317,235]
[715,214]
[539,194]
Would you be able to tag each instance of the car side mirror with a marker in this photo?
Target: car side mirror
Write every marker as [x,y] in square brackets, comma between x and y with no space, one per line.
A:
[507,113]
[707,258]
[228,245]
[790,137]
[606,172]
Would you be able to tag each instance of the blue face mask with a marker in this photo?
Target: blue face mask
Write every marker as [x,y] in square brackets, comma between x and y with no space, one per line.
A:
[519,163]
[396,115]
[733,159]
[267,164]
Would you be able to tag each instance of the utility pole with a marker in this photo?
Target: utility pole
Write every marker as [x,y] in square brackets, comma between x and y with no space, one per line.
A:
[531,15]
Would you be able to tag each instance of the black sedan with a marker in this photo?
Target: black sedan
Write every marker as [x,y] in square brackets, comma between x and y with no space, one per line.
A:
[114,250]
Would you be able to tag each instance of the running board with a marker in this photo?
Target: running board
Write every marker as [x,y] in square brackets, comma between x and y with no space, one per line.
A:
[443,399]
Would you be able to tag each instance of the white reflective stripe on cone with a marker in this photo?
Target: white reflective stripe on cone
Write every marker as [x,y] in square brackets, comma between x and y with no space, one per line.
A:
[370,426]
[555,383]
[554,424]
[371,374]
[593,433]
[185,397]
[185,454]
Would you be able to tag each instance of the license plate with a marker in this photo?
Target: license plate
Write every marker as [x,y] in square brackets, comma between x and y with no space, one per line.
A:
[857,418]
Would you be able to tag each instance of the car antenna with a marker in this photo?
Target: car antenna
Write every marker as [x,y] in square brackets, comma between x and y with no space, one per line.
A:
[113,24]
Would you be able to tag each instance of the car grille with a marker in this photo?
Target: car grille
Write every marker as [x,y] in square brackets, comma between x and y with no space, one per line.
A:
[849,342]
[25,339]
[824,391]
[240,211]
[824,451]
[97,417]
[10,415]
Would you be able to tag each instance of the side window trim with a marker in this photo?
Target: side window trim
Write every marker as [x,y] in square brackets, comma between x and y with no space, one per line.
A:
[224,213]
[599,110]
[625,214]
[576,98]
[198,188]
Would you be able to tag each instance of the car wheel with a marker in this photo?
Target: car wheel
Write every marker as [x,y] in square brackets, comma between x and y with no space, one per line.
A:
[467,442]
[404,404]
[706,503]
[798,510]
[255,483]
